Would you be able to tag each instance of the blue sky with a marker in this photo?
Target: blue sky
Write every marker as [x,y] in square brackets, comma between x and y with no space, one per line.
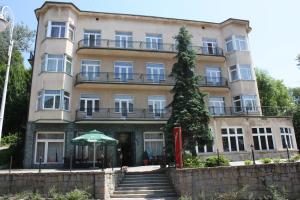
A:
[274,40]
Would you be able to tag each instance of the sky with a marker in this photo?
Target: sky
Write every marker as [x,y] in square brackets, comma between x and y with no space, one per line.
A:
[274,39]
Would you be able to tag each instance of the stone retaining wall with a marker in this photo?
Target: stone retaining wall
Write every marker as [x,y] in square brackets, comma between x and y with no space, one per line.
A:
[205,183]
[99,184]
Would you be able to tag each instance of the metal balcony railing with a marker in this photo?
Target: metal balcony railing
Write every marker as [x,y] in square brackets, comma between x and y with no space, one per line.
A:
[144,46]
[117,113]
[164,114]
[136,78]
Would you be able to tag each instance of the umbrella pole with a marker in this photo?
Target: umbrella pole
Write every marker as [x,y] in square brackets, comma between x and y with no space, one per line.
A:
[94,154]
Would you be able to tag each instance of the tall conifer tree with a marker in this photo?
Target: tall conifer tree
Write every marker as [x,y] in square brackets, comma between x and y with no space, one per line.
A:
[188,106]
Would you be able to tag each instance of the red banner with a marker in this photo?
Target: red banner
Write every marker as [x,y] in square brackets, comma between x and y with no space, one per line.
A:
[178,147]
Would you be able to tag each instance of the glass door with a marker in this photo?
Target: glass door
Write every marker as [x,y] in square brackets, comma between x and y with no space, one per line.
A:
[213,76]
[123,105]
[155,72]
[89,108]
[123,71]
[124,108]
[89,104]
[90,69]
[156,105]
[92,38]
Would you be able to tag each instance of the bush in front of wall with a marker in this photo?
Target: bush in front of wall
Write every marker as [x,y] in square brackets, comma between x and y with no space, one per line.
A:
[190,161]
[266,160]
[277,160]
[248,162]
[214,161]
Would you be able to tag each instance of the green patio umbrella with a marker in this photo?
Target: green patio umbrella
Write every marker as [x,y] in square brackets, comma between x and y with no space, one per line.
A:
[94,137]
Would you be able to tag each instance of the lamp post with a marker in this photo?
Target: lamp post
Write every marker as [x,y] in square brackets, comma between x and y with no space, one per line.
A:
[6,21]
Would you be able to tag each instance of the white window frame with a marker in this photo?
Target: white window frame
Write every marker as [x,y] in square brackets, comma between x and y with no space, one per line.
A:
[127,65]
[265,134]
[161,100]
[153,140]
[290,134]
[123,98]
[238,68]
[85,99]
[156,41]
[54,99]
[214,45]
[96,68]
[243,99]
[65,58]
[121,36]
[158,67]
[50,26]
[236,135]
[212,101]
[96,34]
[71,30]
[41,100]
[213,75]
[46,141]
[236,43]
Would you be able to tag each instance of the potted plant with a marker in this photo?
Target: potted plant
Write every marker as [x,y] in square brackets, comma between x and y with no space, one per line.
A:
[145,158]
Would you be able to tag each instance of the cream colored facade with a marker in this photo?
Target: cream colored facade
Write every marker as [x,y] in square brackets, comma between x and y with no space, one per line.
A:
[214,55]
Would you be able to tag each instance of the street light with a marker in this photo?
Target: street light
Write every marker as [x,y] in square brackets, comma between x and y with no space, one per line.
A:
[6,21]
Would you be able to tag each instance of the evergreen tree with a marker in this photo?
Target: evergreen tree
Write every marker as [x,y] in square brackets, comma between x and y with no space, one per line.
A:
[188,107]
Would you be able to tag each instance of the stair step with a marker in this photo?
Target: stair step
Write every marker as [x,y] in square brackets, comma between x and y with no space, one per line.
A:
[144,187]
[148,191]
[143,195]
[146,181]
[143,184]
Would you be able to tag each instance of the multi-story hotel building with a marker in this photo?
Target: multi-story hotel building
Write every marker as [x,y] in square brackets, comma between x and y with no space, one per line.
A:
[108,71]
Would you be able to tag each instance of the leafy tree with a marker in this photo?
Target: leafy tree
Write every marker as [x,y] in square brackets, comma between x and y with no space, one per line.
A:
[188,107]
[298,60]
[274,95]
[295,92]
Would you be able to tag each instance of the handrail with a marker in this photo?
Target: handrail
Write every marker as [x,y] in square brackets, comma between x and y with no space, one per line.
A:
[139,78]
[149,46]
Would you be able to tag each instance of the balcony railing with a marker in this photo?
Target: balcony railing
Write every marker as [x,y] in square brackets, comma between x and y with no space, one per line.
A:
[144,46]
[164,114]
[136,78]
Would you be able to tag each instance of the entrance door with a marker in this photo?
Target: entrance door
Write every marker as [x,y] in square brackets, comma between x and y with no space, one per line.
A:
[126,148]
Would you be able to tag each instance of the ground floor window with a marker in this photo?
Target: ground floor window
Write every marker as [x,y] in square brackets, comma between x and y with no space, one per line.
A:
[206,148]
[286,137]
[233,139]
[49,147]
[263,138]
[154,143]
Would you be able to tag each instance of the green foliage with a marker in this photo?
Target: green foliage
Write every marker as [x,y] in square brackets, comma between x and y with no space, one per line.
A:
[213,161]
[248,162]
[188,106]
[273,94]
[72,195]
[5,156]
[277,160]
[190,161]
[275,193]
[11,138]
[296,123]
[295,158]
[266,160]
[185,197]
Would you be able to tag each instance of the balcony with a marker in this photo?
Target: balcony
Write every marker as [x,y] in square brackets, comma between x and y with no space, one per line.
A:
[141,46]
[141,79]
[123,114]
[90,114]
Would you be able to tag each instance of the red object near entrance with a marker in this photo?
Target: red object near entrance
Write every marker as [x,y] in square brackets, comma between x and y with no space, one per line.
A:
[178,147]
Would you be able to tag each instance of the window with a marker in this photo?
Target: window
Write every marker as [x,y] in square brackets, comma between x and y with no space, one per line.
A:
[217,105]
[57,29]
[90,69]
[53,100]
[245,103]
[123,104]
[123,39]
[240,72]
[156,105]
[49,147]
[155,72]
[229,44]
[92,38]
[57,63]
[154,41]
[71,32]
[263,138]
[238,43]
[209,46]
[206,148]
[123,71]
[233,139]
[89,103]
[213,76]
[245,72]
[286,137]
[154,144]
[241,43]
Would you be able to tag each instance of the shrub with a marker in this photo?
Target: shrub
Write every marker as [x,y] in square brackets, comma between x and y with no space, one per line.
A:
[190,161]
[295,158]
[275,193]
[11,138]
[73,195]
[266,160]
[213,161]
[185,198]
[248,162]
[277,160]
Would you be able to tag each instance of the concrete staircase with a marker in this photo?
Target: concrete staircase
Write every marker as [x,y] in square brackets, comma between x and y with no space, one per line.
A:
[145,185]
